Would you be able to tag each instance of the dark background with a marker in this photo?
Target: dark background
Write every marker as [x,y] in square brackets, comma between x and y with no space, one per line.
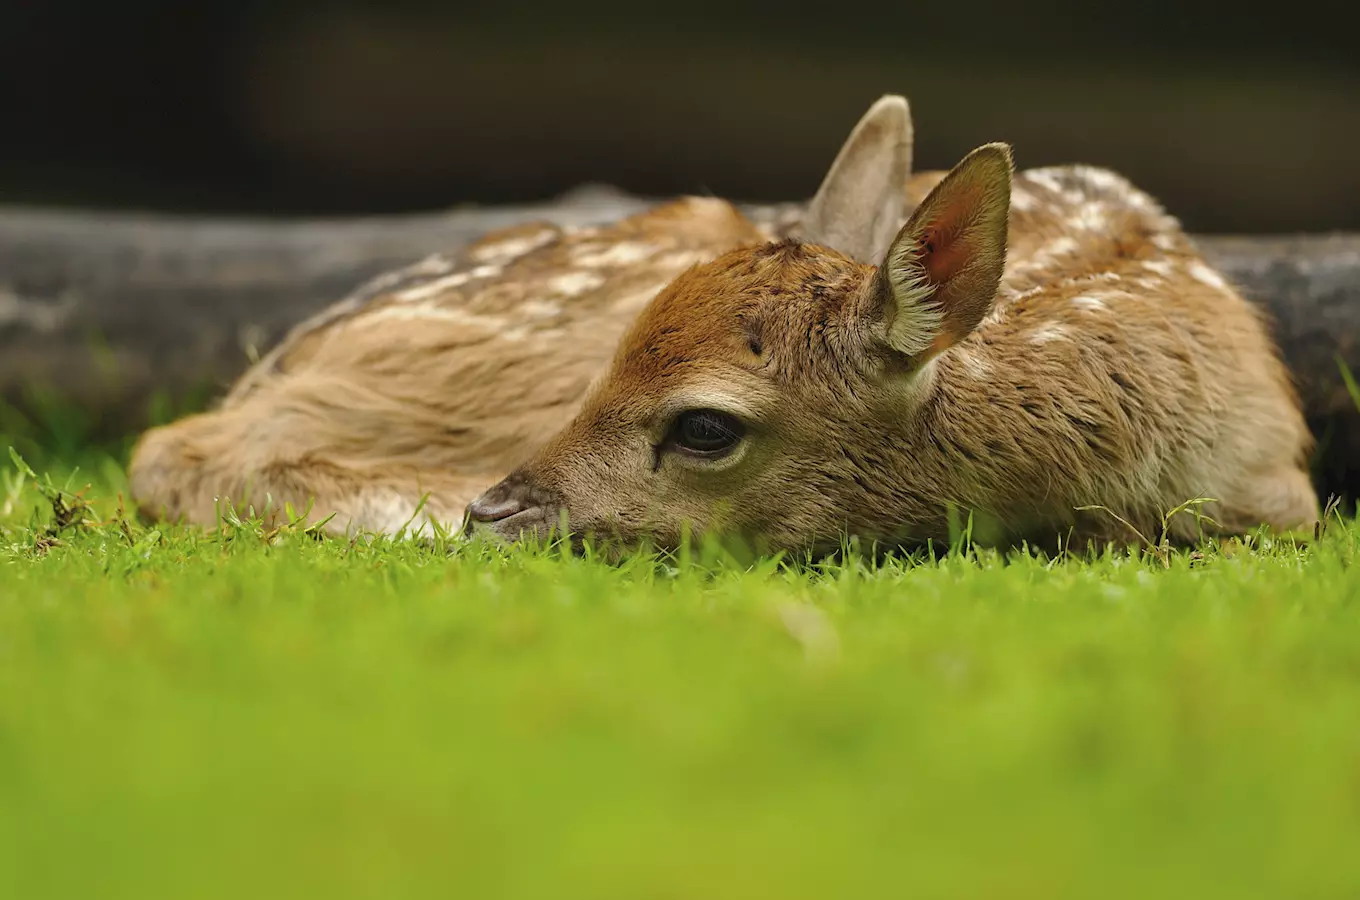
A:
[1242,119]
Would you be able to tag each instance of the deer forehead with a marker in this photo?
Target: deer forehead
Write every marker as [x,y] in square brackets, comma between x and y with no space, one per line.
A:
[726,298]
[712,312]
[704,341]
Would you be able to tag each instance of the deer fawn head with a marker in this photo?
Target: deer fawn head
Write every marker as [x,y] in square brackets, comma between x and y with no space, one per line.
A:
[766,394]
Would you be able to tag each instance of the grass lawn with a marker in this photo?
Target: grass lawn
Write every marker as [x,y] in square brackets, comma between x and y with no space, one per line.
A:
[240,714]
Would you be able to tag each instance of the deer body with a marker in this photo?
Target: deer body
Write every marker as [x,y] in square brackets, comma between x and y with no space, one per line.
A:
[1115,369]
[1017,347]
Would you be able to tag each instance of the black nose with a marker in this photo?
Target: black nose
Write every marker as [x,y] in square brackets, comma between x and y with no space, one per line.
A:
[518,503]
[494,506]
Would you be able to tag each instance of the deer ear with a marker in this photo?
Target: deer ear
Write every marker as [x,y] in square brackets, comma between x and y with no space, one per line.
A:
[940,276]
[863,196]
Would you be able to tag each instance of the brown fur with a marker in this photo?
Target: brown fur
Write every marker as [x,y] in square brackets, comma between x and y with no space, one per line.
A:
[437,382]
[1109,366]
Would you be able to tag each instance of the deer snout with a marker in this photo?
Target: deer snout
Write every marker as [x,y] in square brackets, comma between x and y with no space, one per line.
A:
[512,507]
[487,509]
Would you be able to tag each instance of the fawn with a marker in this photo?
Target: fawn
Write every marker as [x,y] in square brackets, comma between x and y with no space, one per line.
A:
[1022,347]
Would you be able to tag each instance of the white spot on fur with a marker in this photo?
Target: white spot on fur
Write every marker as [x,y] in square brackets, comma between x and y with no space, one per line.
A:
[1205,275]
[1047,255]
[1022,200]
[972,365]
[1058,247]
[1006,298]
[1049,178]
[683,259]
[997,314]
[512,248]
[434,264]
[447,283]
[571,284]
[637,299]
[1139,201]
[1164,242]
[539,309]
[1048,333]
[1088,302]
[1101,179]
[623,253]
[1091,216]
[1113,185]
[431,313]
[1158,267]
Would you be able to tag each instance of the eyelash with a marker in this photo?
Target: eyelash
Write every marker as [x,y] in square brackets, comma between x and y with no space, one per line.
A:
[694,428]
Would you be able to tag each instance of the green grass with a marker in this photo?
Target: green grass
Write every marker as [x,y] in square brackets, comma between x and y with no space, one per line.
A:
[246,714]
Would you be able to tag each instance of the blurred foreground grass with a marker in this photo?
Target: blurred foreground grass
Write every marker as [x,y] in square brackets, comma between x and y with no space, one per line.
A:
[246,714]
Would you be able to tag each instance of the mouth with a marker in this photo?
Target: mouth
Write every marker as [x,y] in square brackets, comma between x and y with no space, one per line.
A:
[512,528]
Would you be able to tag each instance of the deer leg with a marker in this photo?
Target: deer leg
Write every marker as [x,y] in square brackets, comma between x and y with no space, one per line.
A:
[1283,499]
[194,469]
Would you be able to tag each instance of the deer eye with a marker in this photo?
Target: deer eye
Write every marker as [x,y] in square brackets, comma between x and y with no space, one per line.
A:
[706,432]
